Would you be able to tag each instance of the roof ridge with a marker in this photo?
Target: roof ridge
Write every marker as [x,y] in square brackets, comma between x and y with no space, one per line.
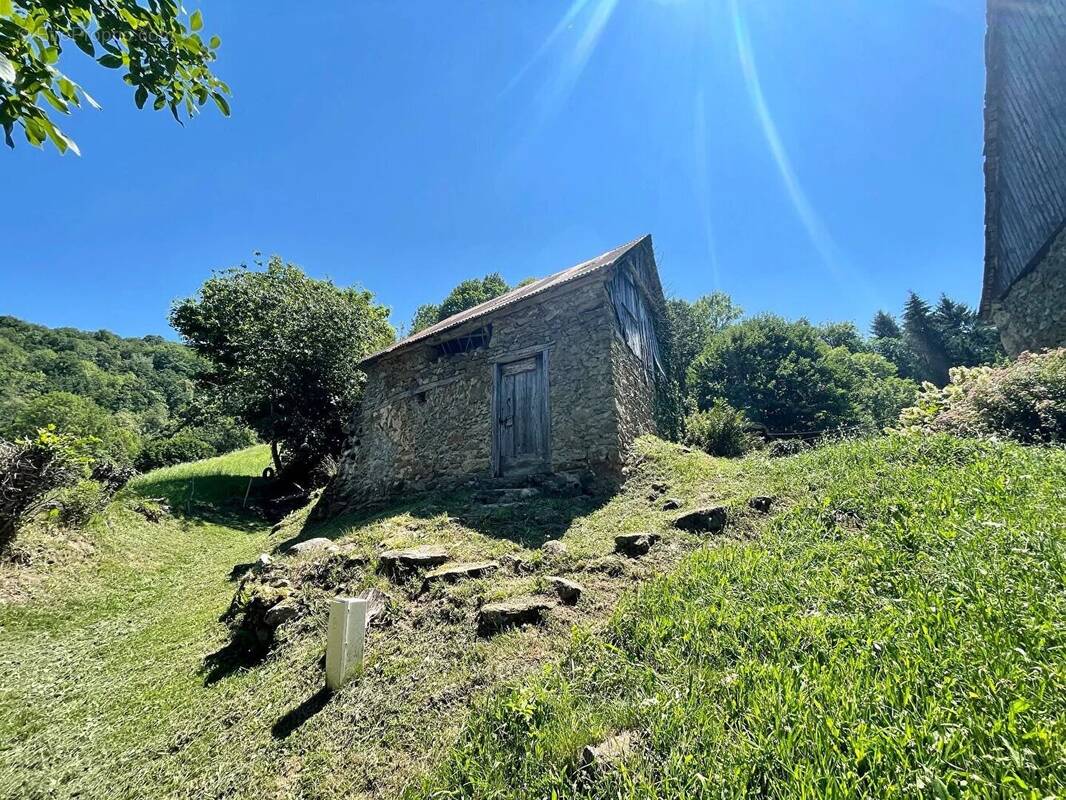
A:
[513,296]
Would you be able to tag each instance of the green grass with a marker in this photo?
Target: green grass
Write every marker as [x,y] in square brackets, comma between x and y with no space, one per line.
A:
[895,625]
[898,632]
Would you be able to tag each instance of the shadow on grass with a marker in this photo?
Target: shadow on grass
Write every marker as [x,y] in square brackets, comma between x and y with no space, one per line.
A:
[293,719]
[231,500]
[528,523]
[241,653]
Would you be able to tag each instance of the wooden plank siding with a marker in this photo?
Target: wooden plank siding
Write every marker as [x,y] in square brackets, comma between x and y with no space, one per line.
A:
[1025,137]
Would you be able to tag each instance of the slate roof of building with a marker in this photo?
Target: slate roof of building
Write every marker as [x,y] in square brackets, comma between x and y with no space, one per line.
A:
[514,296]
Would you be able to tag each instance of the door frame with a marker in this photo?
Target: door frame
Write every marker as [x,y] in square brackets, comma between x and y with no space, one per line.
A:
[497,364]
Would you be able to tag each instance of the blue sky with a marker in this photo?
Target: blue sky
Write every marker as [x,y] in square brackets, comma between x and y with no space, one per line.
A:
[813,159]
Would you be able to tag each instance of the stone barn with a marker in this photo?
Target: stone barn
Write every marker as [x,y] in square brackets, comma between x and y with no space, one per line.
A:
[1025,173]
[558,376]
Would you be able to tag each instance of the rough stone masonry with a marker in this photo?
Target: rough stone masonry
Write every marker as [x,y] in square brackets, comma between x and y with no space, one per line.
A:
[553,377]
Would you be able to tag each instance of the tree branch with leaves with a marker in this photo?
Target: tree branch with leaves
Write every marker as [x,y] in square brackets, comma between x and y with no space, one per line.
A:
[158,48]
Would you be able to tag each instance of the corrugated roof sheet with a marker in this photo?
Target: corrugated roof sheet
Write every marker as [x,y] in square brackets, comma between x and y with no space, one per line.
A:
[512,297]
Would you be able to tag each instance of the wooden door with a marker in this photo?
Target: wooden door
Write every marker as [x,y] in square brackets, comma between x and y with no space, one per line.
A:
[522,416]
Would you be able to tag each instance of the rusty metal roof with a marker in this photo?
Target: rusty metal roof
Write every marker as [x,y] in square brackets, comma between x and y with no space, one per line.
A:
[512,297]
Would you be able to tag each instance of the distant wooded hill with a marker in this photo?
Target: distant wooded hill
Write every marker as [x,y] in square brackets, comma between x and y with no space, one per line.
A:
[137,395]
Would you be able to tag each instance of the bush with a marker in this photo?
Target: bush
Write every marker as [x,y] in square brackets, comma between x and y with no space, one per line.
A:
[1024,401]
[785,376]
[76,505]
[31,470]
[720,431]
[177,449]
[105,435]
[781,448]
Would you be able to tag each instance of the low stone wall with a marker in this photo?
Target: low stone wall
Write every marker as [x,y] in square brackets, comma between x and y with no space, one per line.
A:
[1032,315]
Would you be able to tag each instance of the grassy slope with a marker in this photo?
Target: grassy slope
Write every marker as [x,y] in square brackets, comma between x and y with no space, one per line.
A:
[104,690]
[898,632]
[757,660]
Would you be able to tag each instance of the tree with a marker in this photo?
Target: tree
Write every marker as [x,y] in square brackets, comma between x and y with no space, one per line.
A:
[469,293]
[686,330]
[969,341]
[283,353]
[426,315]
[774,371]
[926,340]
[884,326]
[842,334]
[161,54]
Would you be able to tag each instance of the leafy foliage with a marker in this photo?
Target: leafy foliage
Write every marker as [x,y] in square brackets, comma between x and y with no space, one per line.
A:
[161,55]
[282,353]
[79,417]
[467,294]
[30,471]
[76,505]
[775,371]
[932,340]
[687,329]
[719,431]
[1024,400]
[126,393]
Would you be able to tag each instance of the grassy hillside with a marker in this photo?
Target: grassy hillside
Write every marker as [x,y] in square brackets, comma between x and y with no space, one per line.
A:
[897,632]
[893,625]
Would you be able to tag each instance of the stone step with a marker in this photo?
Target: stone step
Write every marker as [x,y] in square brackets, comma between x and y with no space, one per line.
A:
[635,544]
[498,497]
[319,544]
[496,617]
[569,591]
[399,563]
[452,573]
[703,520]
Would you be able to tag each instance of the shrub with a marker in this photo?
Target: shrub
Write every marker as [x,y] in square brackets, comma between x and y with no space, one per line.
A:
[1024,400]
[105,435]
[720,431]
[785,376]
[31,470]
[775,371]
[76,505]
[177,449]
[780,448]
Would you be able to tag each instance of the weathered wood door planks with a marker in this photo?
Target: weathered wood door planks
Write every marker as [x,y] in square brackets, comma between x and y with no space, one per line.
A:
[522,416]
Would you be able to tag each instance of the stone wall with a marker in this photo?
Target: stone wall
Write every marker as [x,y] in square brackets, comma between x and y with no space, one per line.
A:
[1032,315]
[634,396]
[426,420]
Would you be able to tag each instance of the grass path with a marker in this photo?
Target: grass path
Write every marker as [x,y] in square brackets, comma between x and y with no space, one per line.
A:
[102,680]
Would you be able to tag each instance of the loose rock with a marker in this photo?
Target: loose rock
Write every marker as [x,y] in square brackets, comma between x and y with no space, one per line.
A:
[281,613]
[396,563]
[377,606]
[317,545]
[703,520]
[517,564]
[458,572]
[673,504]
[554,547]
[569,591]
[635,544]
[761,503]
[608,754]
[495,617]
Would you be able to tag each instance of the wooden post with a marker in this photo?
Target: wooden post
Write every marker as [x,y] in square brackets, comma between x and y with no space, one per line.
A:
[345,640]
